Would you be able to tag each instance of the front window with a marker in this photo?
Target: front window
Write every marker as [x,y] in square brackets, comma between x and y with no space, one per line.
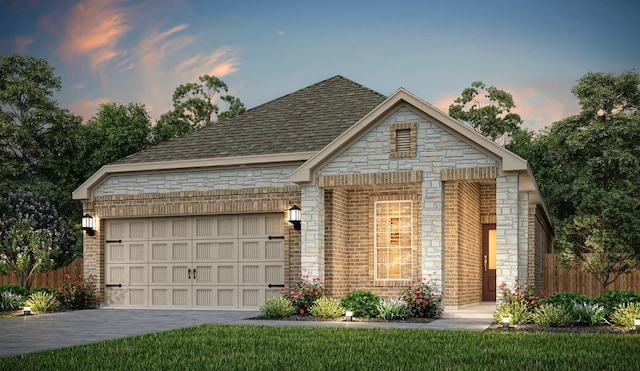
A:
[393,236]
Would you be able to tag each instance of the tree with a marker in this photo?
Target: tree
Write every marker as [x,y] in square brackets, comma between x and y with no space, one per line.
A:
[595,195]
[39,142]
[194,106]
[33,237]
[115,132]
[488,111]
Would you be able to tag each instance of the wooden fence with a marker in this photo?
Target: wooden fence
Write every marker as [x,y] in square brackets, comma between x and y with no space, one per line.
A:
[54,278]
[561,280]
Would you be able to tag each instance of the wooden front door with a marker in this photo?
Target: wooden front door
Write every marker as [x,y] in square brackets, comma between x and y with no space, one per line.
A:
[488,262]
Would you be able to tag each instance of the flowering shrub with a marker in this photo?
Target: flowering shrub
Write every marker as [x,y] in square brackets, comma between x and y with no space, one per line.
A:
[393,309]
[588,314]
[523,294]
[10,301]
[422,301]
[305,293]
[79,294]
[33,237]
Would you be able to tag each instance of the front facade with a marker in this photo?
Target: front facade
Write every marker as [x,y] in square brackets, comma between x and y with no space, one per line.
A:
[392,191]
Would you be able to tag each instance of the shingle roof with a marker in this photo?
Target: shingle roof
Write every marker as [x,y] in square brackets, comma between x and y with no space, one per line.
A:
[303,121]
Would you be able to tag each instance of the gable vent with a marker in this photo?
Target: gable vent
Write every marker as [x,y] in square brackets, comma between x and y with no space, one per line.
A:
[403,140]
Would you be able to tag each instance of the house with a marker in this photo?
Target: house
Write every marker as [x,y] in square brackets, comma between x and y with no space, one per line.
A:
[390,189]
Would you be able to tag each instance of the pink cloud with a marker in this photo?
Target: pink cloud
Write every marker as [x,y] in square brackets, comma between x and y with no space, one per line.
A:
[87,108]
[222,62]
[94,30]
[22,43]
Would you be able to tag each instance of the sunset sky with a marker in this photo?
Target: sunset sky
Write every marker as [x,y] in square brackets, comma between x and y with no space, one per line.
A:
[139,51]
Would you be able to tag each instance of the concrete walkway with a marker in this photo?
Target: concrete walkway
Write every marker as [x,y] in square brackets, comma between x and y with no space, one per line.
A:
[20,335]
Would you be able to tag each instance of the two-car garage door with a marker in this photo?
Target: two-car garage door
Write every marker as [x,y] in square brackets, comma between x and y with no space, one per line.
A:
[222,261]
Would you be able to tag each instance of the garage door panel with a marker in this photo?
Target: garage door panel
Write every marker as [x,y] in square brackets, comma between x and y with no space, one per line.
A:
[261,274]
[216,250]
[170,229]
[171,251]
[174,296]
[251,297]
[130,296]
[214,227]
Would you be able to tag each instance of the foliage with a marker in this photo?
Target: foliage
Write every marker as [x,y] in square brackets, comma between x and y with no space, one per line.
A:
[115,132]
[78,294]
[39,142]
[49,290]
[626,314]
[393,309]
[16,289]
[33,238]
[523,294]
[277,307]
[10,301]
[42,302]
[422,301]
[587,314]
[612,299]
[319,348]
[566,299]
[488,111]
[362,303]
[519,313]
[195,106]
[327,308]
[551,315]
[305,292]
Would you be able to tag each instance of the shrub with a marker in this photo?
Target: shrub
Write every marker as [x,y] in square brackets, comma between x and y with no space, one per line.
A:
[42,302]
[327,308]
[519,313]
[393,309]
[421,300]
[362,303]
[586,314]
[305,293]
[525,295]
[625,315]
[277,308]
[552,315]
[16,289]
[567,299]
[80,294]
[50,290]
[612,299]
[10,301]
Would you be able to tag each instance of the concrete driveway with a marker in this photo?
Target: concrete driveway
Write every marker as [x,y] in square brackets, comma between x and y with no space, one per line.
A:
[27,334]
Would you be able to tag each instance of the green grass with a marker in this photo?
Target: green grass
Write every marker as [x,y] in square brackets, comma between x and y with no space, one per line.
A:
[312,348]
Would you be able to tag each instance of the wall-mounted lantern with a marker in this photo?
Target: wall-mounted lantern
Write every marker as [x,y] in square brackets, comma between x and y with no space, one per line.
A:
[87,225]
[294,217]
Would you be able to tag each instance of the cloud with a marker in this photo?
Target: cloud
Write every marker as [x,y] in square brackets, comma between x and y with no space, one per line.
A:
[156,46]
[539,104]
[87,108]
[220,63]
[94,30]
[281,33]
[80,85]
[22,43]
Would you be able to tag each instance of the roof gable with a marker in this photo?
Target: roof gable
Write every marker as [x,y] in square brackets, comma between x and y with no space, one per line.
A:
[305,120]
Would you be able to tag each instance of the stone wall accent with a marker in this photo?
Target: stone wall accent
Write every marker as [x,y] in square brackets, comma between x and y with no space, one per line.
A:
[197,180]
[507,225]
[313,221]
[349,237]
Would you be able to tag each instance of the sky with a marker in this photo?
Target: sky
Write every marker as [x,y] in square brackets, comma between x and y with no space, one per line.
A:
[140,51]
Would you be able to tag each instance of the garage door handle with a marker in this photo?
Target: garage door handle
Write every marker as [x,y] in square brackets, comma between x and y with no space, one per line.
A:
[273,285]
[114,285]
[189,273]
[194,273]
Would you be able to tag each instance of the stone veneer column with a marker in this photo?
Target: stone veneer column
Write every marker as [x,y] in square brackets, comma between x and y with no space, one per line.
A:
[312,236]
[432,229]
[523,238]
[507,225]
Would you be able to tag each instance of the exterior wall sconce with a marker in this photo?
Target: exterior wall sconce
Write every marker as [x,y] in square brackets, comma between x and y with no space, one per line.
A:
[349,315]
[505,321]
[87,225]
[294,217]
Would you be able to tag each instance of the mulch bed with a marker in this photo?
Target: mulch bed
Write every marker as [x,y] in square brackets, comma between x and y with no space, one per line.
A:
[342,319]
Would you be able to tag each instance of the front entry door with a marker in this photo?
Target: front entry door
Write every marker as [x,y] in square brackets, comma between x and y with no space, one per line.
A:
[488,262]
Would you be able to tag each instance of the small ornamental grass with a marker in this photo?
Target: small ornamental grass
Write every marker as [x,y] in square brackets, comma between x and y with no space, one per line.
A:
[518,313]
[421,300]
[78,294]
[305,293]
[393,309]
[42,302]
[551,315]
[327,308]
[362,303]
[586,314]
[626,314]
[278,307]
[10,301]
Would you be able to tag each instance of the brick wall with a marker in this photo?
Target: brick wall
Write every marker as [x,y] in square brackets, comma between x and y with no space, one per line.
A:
[540,243]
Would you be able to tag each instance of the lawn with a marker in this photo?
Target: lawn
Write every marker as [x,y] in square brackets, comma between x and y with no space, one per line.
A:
[311,348]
